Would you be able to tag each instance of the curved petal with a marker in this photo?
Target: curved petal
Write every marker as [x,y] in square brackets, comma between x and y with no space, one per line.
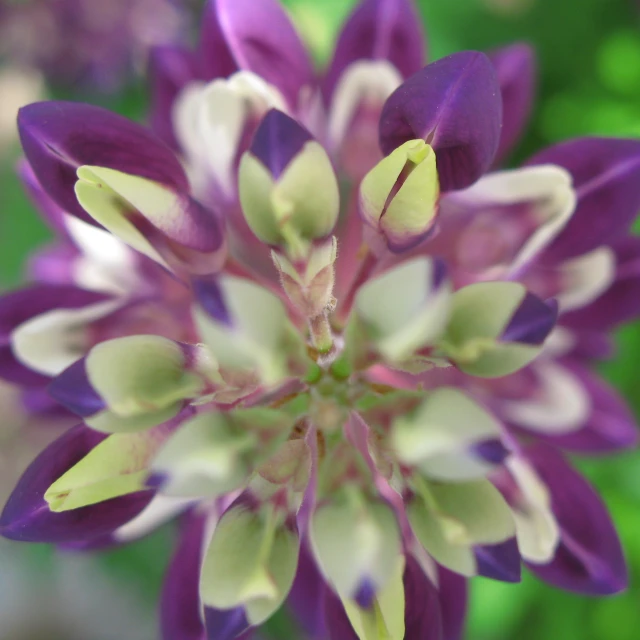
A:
[307,596]
[262,39]
[215,59]
[589,558]
[454,104]
[171,68]
[453,592]
[516,69]
[58,137]
[27,517]
[500,561]
[180,604]
[606,177]
[422,614]
[379,30]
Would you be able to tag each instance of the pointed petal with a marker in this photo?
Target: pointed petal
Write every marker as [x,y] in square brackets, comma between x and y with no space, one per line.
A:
[589,558]
[180,605]
[422,614]
[262,39]
[73,390]
[227,624]
[454,104]
[46,207]
[516,69]
[453,592]
[307,596]
[59,137]
[532,322]
[379,30]
[606,176]
[337,621]
[215,59]
[171,68]
[27,517]
[500,561]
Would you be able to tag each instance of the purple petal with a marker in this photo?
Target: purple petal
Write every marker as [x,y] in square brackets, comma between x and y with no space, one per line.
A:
[58,137]
[365,594]
[379,30]
[610,426]
[225,625]
[306,598]
[500,561]
[606,175]
[73,390]
[453,593]
[171,68]
[210,297]
[180,604]
[20,306]
[455,105]
[215,59]
[338,625]
[516,69]
[532,322]
[277,141]
[262,39]
[26,516]
[589,558]
[621,302]
[422,613]
[46,207]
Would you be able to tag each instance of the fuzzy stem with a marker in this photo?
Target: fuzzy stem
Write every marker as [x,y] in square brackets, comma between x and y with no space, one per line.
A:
[321,334]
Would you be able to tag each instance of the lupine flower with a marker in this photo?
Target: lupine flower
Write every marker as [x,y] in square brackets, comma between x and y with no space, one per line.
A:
[318,325]
[86,42]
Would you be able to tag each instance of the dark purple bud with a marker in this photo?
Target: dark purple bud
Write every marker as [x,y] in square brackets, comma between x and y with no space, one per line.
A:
[606,177]
[225,624]
[277,141]
[589,558]
[532,322]
[73,390]
[516,69]
[500,561]
[59,137]
[455,105]
[492,451]
[365,594]
[180,604]
[171,68]
[262,39]
[26,516]
[210,297]
[379,30]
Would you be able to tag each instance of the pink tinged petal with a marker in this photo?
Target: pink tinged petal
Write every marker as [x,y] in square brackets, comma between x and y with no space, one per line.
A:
[59,137]
[532,322]
[422,614]
[454,104]
[171,68]
[608,426]
[31,304]
[500,561]
[453,592]
[262,39]
[516,69]
[606,176]
[379,30]
[180,616]
[589,558]
[26,516]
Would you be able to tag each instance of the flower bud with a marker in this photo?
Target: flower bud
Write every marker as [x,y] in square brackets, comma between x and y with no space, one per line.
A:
[496,328]
[288,189]
[399,196]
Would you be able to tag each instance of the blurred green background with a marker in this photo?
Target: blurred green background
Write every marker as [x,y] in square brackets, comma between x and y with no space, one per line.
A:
[589,83]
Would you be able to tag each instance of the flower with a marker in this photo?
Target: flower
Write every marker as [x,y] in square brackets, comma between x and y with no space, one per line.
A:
[96,45]
[316,323]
